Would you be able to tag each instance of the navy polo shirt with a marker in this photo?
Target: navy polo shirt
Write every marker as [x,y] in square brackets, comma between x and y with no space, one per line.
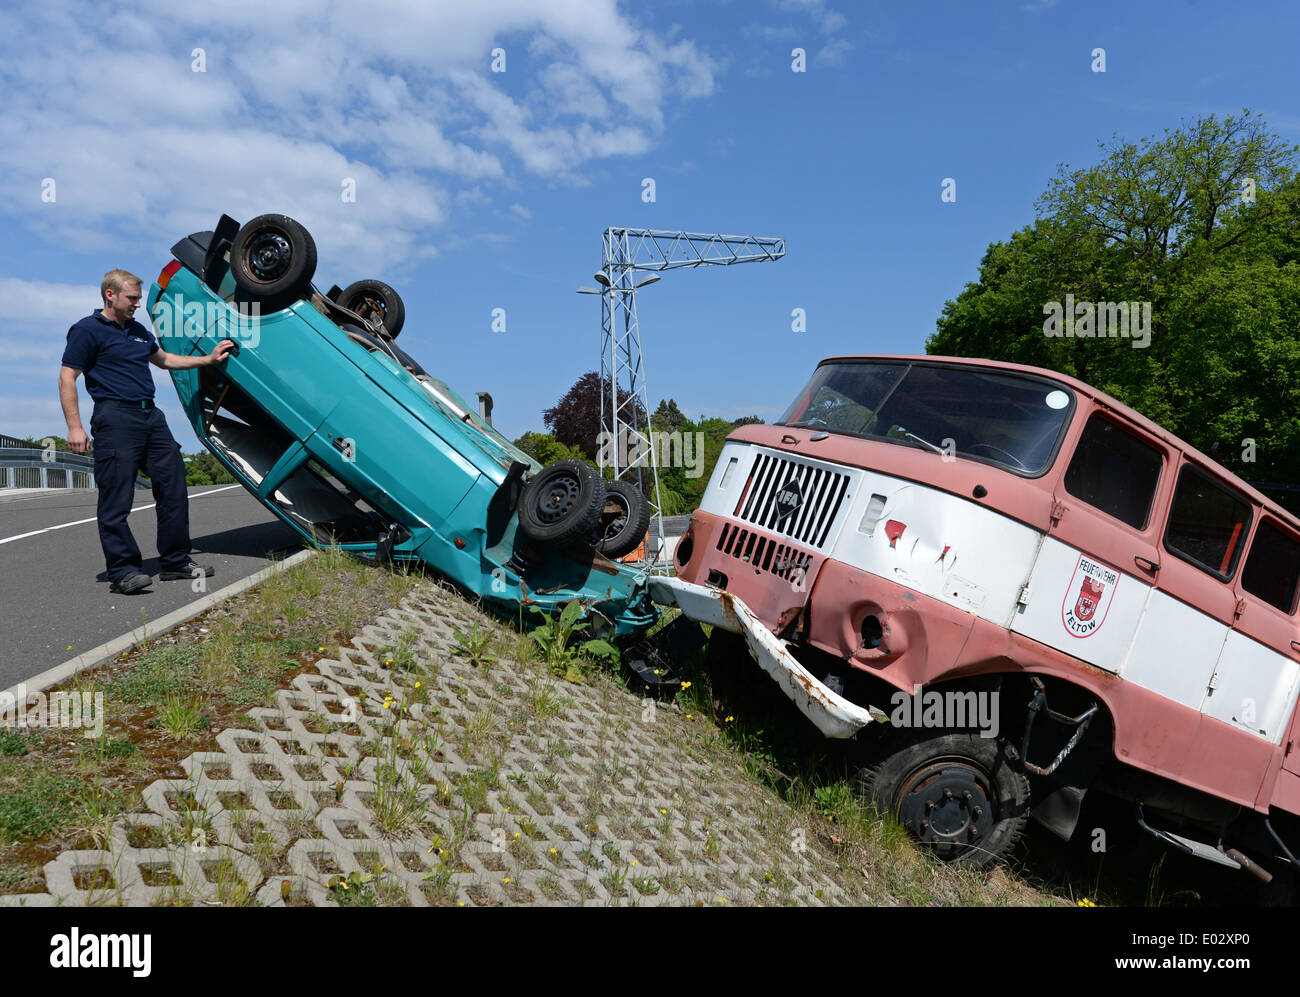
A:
[115,360]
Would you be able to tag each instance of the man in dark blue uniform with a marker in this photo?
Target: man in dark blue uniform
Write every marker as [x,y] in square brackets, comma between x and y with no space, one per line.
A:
[130,433]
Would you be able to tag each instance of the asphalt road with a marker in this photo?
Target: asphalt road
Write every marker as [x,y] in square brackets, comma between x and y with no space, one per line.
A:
[54,597]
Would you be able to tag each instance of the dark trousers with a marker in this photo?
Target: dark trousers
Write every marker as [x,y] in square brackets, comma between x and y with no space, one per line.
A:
[129,439]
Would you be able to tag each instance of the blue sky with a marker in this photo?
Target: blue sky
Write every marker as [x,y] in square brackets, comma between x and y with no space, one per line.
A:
[478,190]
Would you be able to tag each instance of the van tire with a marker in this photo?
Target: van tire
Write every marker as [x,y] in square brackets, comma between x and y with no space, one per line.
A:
[923,779]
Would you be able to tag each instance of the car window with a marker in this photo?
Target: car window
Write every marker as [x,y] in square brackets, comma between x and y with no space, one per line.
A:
[1114,471]
[1207,524]
[325,507]
[1272,569]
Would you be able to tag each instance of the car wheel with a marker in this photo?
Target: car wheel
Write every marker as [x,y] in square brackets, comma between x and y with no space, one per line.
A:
[375,302]
[623,521]
[963,795]
[562,502]
[273,259]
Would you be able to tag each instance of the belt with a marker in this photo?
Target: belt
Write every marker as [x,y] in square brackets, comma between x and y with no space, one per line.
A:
[143,403]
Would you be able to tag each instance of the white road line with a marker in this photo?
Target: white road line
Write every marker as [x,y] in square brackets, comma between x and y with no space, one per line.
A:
[80,522]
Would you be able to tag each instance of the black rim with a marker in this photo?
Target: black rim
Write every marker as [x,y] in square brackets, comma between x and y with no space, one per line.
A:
[268,256]
[557,498]
[948,802]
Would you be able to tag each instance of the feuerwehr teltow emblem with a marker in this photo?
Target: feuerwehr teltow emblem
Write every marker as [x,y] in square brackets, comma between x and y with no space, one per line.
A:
[788,499]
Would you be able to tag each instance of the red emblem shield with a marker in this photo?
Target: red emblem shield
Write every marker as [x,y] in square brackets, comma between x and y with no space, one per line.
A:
[1090,593]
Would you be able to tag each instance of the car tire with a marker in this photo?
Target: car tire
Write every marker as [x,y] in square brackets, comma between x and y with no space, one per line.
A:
[562,502]
[376,302]
[924,780]
[272,260]
[623,520]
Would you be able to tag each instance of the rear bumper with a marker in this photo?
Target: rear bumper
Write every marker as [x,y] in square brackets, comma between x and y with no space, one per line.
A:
[833,715]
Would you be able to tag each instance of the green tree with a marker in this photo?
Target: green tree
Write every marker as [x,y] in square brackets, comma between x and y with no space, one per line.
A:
[544,448]
[203,468]
[1170,221]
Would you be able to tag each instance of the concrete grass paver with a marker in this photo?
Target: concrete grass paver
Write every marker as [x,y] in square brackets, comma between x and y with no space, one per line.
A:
[488,783]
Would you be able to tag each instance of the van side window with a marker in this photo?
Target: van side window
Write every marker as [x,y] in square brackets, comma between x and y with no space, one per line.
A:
[1114,471]
[1272,569]
[1208,523]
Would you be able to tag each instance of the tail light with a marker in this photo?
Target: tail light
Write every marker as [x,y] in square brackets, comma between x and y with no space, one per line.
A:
[168,272]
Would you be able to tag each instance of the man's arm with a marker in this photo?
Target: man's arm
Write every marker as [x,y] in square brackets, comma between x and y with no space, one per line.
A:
[77,439]
[174,361]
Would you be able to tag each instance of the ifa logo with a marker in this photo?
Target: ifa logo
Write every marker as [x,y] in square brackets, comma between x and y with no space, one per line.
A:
[1088,597]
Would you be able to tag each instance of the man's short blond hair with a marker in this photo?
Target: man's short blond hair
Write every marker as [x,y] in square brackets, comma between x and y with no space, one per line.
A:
[117,280]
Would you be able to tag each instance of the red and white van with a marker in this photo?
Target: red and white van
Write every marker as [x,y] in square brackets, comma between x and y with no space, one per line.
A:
[1040,592]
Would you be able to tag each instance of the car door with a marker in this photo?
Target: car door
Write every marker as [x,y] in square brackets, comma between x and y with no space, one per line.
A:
[1094,572]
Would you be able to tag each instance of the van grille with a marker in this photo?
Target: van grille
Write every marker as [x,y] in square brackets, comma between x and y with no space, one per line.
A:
[764,553]
[820,490]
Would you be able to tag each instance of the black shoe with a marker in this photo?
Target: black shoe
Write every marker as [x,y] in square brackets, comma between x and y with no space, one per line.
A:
[132,583]
[191,570]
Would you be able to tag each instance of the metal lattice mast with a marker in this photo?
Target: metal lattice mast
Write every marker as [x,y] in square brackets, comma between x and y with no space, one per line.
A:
[622,362]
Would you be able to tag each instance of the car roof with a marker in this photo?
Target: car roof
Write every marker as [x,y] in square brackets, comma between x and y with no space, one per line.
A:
[1107,401]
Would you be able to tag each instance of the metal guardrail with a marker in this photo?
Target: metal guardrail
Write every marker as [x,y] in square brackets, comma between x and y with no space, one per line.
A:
[31,467]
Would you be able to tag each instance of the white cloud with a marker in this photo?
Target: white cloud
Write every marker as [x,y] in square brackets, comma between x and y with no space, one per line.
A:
[521,211]
[828,21]
[30,304]
[834,53]
[295,97]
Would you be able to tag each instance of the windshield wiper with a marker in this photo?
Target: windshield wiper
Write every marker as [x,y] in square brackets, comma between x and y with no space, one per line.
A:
[924,443]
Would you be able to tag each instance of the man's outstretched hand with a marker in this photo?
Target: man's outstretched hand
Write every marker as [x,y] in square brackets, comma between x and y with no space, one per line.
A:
[222,350]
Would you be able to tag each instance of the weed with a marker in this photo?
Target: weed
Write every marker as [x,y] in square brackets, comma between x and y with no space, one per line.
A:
[181,717]
[553,637]
[474,645]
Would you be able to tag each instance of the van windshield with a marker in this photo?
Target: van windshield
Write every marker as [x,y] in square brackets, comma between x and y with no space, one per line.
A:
[1011,420]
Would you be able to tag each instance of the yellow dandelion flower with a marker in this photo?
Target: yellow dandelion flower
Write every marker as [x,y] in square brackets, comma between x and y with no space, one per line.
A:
[554,851]
[506,880]
[662,810]
[689,715]
[729,719]
[686,685]
[417,685]
[634,861]
[516,834]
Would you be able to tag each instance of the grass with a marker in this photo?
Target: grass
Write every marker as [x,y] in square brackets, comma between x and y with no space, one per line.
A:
[181,717]
[167,698]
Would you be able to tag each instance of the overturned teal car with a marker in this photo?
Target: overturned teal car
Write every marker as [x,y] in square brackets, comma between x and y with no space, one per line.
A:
[348,440]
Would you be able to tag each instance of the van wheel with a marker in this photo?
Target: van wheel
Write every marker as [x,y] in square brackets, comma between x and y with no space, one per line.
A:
[562,502]
[273,259]
[963,795]
[375,302]
[624,520]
